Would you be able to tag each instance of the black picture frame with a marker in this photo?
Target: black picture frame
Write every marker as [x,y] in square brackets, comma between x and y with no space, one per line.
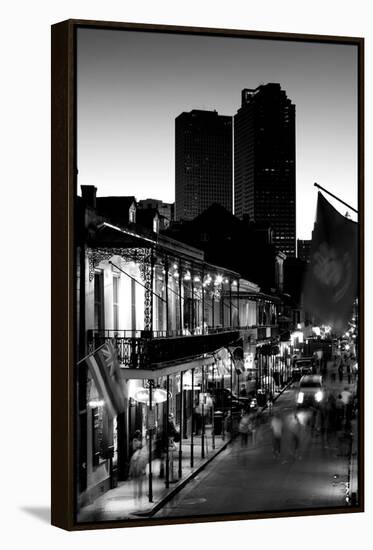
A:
[64,307]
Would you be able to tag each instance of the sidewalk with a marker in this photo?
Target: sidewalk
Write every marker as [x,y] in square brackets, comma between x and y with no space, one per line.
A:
[120,503]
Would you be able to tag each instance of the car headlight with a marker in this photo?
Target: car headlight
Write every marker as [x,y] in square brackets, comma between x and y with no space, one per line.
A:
[318,396]
[300,398]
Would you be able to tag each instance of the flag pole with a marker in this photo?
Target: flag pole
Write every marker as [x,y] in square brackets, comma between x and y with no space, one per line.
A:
[337,198]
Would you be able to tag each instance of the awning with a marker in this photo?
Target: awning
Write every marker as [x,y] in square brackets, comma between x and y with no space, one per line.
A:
[174,368]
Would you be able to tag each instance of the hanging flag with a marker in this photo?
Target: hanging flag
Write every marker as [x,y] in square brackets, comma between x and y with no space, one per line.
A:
[331,281]
[103,365]
[238,358]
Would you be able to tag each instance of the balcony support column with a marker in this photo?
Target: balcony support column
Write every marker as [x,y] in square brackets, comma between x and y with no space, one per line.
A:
[192,431]
[167,434]
[203,413]
[238,302]
[181,425]
[166,289]
[203,302]
[231,384]
[180,298]
[192,327]
[230,302]
[150,441]
[149,276]
[213,410]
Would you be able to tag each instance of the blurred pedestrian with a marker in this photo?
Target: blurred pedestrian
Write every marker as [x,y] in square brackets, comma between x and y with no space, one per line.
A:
[295,432]
[137,441]
[346,397]
[276,427]
[171,452]
[330,414]
[333,370]
[171,428]
[243,391]
[340,372]
[243,428]
[137,472]
[339,412]
[348,370]
[160,450]
[313,419]
[253,425]
[227,425]
[270,404]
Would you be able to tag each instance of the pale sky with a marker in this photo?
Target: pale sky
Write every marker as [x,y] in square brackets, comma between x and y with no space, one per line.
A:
[132,86]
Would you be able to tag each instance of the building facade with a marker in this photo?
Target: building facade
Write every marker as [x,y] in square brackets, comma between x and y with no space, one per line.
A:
[188,336]
[304,249]
[203,162]
[264,163]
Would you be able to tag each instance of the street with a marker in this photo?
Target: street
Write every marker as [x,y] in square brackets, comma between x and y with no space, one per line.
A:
[251,479]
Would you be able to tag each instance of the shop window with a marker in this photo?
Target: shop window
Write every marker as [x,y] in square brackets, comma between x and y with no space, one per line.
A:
[99,300]
[115,302]
[102,436]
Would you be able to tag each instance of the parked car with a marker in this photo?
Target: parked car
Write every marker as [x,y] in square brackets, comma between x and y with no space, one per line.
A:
[302,367]
[311,391]
[223,400]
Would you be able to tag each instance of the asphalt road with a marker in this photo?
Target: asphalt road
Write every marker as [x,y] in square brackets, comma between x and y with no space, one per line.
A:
[251,479]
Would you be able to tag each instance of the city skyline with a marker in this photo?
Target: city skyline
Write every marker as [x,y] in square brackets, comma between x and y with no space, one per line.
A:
[264,167]
[132,86]
[203,163]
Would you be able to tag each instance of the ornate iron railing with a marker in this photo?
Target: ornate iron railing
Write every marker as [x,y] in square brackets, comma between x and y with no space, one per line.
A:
[141,349]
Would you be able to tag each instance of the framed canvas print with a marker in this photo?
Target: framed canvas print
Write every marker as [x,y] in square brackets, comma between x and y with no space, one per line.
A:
[207,274]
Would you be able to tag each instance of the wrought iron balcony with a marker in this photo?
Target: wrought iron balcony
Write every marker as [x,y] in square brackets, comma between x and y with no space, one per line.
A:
[141,349]
[262,332]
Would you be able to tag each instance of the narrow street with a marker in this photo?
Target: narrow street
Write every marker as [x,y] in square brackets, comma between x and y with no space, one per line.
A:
[250,479]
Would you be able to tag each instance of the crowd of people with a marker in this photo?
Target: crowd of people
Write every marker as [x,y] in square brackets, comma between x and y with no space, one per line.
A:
[330,419]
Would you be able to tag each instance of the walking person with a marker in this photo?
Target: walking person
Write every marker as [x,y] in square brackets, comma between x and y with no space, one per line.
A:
[348,370]
[346,397]
[137,441]
[171,452]
[243,429]
[253,424]
[330,417]
[137,472]
[333,370]
[276,427]
[295,429]
[339,412]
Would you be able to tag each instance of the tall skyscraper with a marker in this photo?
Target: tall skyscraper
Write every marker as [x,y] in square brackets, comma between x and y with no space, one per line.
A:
[264,162]
[304,249]
[203,162]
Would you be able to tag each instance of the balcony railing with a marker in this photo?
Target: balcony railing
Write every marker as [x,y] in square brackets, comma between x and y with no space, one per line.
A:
[141,349]
[263,331]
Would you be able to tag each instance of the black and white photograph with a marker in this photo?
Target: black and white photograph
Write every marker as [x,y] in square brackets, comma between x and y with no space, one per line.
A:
[218,365]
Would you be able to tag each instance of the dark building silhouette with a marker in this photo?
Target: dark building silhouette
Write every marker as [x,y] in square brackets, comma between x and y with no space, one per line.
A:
[304,249]
[165,209]
[235,244]
[203,162]
[264,162]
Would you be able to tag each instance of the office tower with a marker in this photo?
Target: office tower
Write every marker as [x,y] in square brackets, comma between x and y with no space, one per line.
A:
[304,249]
[264,162]
[203,162]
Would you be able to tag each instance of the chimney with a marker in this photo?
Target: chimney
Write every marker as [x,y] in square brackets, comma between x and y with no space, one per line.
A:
[89,195]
